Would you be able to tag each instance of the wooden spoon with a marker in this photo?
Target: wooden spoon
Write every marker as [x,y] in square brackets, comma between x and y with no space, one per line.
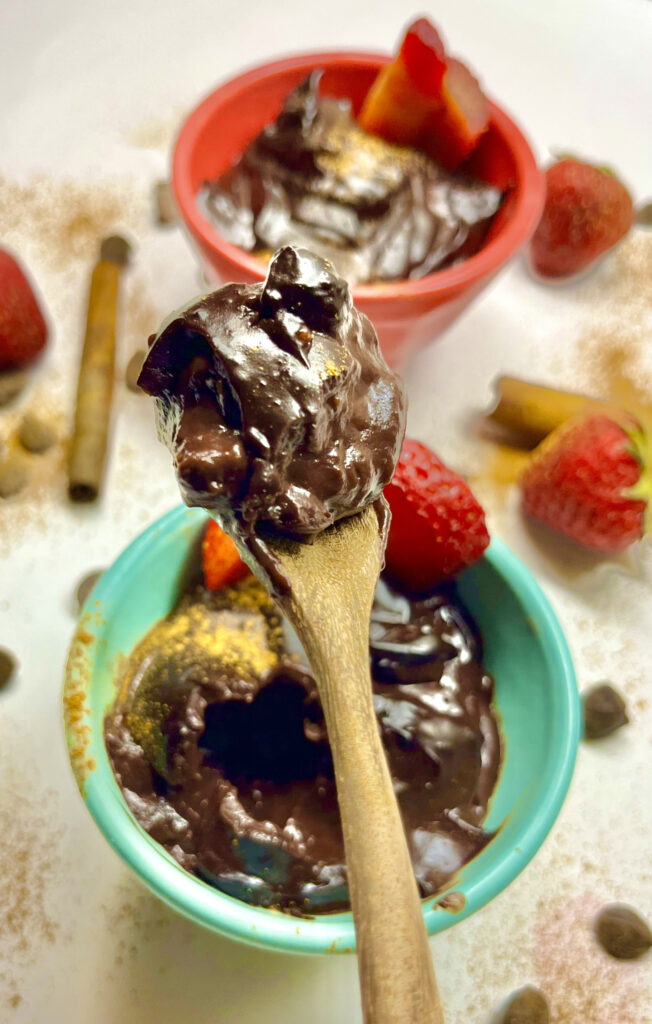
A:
[332,585]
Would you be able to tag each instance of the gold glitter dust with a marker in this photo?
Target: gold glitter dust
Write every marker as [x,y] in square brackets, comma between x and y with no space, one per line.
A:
[351,152]
[229,638]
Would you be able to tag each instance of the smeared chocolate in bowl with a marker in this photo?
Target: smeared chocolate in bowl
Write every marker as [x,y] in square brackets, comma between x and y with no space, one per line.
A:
[219,744]
[378,212]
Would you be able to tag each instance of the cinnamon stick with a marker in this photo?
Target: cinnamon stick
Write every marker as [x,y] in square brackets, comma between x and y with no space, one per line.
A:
[530,412]
[96,372]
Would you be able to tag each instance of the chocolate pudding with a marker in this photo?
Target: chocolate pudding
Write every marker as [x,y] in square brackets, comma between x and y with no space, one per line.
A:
[219,744]
[276,402]
[378,212]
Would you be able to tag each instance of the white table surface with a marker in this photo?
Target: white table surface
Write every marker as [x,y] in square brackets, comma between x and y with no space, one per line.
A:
[90,94]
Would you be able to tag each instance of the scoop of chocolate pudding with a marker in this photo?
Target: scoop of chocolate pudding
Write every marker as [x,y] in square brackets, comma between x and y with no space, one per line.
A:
[276,402]
[379,212]
[219,744]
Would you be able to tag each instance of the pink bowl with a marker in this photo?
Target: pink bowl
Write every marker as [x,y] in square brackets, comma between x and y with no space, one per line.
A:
[406,314]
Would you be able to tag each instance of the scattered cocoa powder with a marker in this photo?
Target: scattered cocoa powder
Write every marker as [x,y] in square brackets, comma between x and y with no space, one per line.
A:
[30,839]
[67,218]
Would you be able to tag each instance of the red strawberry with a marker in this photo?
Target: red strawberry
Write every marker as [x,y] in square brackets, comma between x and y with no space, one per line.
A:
[221,560]
[587,211]
[455,127]
[402,97]
[588,481]
[422,54]
[427,100]
[437,526]
[22,328]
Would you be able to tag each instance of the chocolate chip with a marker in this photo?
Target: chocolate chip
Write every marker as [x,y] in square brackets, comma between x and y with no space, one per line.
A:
[7,666]
[35,434]
[12,383]
[85,586]
[604,711]
[527,1006]
[166,208]
[622,933]
[132,373]
[13,477]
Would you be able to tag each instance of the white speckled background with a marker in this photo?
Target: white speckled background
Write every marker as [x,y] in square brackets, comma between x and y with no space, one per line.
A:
[89,98]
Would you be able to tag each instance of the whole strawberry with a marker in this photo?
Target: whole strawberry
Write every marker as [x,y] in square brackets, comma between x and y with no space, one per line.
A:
[23,332]
[587,210]
[589,481]
[437,527]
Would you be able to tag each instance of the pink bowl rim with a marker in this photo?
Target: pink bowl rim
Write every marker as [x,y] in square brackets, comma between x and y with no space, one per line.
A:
[530,188]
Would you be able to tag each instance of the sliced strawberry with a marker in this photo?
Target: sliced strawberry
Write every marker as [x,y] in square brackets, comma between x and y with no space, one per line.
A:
[401,99]
[423,57]
[437,527]
[427,100]
[221,561]
[393,109]
[456,126]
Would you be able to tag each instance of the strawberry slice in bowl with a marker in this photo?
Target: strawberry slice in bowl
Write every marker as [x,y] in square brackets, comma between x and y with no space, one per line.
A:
[427,100]
[405,93]
[456,126]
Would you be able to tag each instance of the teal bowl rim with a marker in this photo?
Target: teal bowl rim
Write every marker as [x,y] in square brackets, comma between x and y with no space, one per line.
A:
[272,929]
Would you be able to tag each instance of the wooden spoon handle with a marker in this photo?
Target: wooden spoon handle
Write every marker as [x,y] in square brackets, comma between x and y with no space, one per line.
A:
[397,978]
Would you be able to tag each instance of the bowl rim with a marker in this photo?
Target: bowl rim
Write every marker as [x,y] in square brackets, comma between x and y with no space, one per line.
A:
[530,190]
[272,929]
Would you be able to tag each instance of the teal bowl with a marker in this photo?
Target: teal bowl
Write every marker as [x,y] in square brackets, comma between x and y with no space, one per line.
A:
[536,695]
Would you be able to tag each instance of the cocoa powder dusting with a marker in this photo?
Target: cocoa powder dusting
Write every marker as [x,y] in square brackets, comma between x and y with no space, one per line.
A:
[141,316]
[56,227]
[44,469]
[30,839]
[609,356]
[65,219]
[612,358]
